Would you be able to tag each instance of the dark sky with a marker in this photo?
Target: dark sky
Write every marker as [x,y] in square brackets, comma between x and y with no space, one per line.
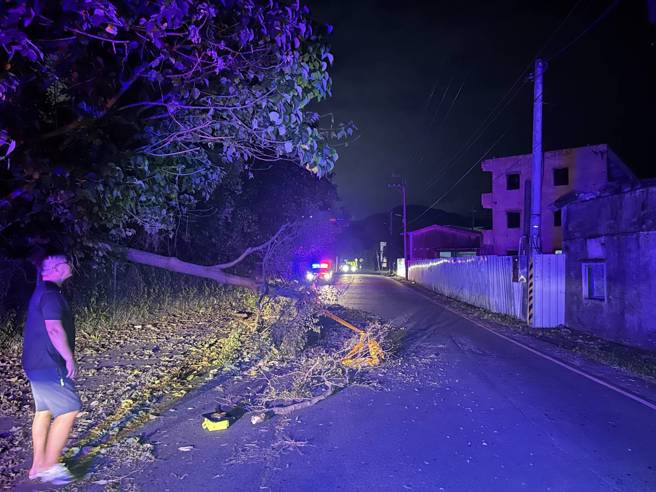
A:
[419,78]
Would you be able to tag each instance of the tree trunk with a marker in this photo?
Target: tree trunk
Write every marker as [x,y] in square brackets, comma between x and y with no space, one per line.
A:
[175,265]
[213,272]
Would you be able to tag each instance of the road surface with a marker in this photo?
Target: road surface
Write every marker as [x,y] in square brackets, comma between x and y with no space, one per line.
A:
[481,415]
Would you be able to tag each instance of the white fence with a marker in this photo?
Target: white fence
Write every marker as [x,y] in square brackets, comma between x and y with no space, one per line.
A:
[548,299]
[487,282]
[484,281]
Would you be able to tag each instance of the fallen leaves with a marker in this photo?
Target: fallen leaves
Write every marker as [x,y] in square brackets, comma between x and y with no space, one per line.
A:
[131,375]
[125,372]
[255,453]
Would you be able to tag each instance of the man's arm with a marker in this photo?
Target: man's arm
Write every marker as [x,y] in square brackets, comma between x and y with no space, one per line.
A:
[59,339]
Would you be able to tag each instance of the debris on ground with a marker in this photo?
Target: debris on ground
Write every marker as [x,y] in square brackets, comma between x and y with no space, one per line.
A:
[289,355]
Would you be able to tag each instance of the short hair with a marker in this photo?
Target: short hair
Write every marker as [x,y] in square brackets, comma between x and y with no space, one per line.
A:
[50,258]
[48,263]
[40,254]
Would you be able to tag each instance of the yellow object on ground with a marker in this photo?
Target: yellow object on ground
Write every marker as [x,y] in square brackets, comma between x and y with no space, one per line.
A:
[356,356]
[215,421]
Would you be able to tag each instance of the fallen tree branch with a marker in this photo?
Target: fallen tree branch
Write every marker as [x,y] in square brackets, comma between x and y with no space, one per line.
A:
[286,410]
[176,265]
[255,249]
[213,272]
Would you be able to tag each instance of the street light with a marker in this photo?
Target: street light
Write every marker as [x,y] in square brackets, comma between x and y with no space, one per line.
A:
[401,186]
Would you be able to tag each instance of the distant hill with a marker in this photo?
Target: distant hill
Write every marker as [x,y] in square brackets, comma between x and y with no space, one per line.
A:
[431,216]
[365,234]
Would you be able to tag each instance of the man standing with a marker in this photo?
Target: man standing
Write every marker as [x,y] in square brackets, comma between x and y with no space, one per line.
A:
[48,361]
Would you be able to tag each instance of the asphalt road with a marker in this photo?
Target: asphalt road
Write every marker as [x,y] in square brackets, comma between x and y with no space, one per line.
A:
[481,414]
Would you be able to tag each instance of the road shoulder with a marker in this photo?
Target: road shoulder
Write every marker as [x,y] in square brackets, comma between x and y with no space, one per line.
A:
[628,369]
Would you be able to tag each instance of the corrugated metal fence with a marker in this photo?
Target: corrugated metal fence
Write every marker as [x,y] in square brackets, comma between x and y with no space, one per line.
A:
[484,281]
[487,282]
[549,291]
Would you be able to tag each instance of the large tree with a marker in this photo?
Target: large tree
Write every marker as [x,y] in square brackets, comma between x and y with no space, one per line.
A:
[118,119]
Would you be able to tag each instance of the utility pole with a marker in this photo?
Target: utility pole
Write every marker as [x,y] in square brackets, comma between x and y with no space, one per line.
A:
[401,186]
[405,233]
[535,238]
[391,214]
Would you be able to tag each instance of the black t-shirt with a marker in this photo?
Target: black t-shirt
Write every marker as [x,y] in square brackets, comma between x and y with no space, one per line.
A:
[41,360]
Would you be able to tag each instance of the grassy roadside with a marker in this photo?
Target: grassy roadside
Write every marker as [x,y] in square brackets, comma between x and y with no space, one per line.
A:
[133,357]
[137,359]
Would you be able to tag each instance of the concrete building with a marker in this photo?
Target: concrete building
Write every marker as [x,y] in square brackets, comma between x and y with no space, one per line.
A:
[443,241]
[610,246]
[582,169]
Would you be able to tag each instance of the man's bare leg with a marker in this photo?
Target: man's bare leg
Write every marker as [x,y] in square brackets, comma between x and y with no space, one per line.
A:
[60,429]
[40,426]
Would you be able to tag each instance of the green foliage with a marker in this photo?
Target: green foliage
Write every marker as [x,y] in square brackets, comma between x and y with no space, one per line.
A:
[289,322]
[251,215]
[120,119]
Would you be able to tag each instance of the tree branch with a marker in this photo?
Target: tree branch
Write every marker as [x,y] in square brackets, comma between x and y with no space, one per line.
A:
[252,250]
[175,265]
[213,272]
[80,121]
[304,404]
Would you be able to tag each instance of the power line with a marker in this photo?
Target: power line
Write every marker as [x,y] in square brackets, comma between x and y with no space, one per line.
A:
[460,179]
[507,98]
[437,110]
[453,102]
[496,111]
[430,96]
[420,153]
[613,5]
[558,28]
[492,116]
[433,118]
[480,131]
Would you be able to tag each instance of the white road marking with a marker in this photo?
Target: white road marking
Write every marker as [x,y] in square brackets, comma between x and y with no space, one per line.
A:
[617,389]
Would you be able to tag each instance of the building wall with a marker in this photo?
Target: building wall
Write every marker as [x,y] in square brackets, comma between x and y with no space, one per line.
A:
[619,232]
[588,172]
[430,241]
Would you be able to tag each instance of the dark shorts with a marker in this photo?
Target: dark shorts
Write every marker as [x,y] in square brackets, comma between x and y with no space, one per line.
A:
[58,397]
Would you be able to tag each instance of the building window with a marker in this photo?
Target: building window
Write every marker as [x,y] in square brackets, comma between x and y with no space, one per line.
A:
[594,281]
[512,220]
[557,218]
[512,181]
[561,176]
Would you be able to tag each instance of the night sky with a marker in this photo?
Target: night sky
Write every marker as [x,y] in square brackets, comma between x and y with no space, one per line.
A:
[421,78]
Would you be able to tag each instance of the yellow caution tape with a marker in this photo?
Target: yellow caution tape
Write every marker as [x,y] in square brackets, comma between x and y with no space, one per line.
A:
[355,357]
